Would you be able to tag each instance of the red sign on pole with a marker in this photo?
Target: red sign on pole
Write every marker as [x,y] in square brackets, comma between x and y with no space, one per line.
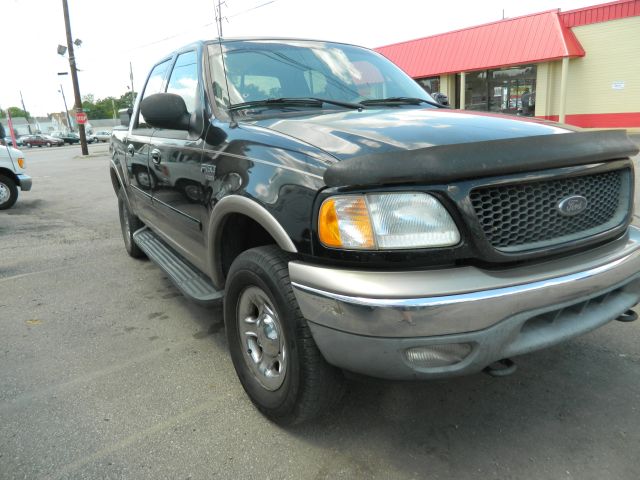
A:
[12,132]
[81,118]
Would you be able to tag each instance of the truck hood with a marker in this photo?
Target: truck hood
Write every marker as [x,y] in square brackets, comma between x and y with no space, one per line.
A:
[354,133]
[7,151]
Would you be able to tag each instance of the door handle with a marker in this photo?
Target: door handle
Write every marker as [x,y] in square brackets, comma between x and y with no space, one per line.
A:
[131,150]
[155,156]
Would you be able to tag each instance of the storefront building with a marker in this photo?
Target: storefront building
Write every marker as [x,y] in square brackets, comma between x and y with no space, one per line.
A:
[581,66]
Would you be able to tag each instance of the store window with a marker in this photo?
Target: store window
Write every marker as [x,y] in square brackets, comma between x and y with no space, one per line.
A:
[430,84]
[508,90]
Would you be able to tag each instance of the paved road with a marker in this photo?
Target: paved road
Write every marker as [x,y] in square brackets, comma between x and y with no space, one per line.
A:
[106,371]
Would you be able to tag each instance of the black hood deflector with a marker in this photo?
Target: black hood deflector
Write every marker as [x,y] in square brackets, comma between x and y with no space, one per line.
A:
[464,161]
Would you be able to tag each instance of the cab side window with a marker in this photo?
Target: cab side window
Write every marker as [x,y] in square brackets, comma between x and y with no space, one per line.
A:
[154,85]
[184,79]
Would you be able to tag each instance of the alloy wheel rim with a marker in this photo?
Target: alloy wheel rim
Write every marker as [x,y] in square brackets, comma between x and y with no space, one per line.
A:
[262,338]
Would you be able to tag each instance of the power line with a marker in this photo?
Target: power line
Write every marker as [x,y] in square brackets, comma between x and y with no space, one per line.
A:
[253,8]
[217,22]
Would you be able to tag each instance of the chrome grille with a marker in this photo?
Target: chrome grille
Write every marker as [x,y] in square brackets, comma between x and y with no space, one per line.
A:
[524,216]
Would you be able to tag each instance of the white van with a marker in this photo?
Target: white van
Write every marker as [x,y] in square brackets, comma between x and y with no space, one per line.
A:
[12,176]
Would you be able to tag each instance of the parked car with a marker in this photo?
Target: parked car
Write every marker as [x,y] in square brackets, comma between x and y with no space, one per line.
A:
[12,174]
[54,140]
[40,140]
[313,189]
[69,138]
[9,142]
[102,135]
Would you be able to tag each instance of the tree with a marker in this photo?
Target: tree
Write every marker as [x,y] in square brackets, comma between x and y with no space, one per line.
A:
[15,112]
[106,107]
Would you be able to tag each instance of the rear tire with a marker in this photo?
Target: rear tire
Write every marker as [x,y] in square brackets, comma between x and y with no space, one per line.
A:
[8,192]
[129,224]
[48,144]
[273,352]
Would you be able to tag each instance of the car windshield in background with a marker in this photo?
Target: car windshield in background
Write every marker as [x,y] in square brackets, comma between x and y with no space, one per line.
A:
[269,74]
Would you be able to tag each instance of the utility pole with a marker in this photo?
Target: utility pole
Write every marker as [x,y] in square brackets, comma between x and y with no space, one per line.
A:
[66,109]
[25,113]
[133,95]
[74,77]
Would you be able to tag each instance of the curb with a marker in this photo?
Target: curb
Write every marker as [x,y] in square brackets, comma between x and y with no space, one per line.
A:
[91,155]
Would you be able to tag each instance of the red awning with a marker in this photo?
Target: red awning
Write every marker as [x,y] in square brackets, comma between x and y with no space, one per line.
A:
[516,41]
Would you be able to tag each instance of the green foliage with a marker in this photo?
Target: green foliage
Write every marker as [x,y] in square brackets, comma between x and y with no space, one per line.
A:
[15,112]
[104,107]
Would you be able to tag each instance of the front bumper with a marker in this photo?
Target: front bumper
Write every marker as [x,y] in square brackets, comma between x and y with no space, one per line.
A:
[25,182]
[366,322]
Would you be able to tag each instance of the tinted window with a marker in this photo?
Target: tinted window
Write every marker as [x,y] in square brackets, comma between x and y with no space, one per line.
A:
[154,85]
[184,79]
[264,69]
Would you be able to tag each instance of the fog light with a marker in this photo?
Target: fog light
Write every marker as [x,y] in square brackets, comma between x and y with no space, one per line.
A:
[437,355]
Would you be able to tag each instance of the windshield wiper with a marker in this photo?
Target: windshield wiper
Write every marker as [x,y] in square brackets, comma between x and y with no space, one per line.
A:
[400,101]
[294,102]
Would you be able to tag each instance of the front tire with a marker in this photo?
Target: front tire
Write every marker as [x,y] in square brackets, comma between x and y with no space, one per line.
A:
[129,224]
[273,352]
[8,192]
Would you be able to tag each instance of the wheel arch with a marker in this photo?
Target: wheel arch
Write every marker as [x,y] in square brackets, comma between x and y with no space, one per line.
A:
[238,224]
[11,174]
[117,182]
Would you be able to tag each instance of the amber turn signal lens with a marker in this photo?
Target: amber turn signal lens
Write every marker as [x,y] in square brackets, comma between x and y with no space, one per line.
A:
[328,224]
[21,162]
[344,223]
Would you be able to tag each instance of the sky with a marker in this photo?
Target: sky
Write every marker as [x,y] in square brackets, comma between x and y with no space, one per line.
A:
[117,32]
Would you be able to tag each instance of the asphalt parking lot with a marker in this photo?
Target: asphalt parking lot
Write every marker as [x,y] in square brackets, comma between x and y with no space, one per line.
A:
[106,371]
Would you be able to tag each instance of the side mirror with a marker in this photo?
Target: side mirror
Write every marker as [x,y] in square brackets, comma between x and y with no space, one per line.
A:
[2,132]
[165,110]
[125,116]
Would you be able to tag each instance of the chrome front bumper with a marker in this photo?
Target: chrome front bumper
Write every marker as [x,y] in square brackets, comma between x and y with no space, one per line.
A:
[365,321]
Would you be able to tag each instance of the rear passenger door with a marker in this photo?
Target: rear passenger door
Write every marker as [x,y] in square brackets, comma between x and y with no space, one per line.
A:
[175,158]
[137,143]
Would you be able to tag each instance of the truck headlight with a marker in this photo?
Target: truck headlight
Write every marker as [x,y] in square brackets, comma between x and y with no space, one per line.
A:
[380,221]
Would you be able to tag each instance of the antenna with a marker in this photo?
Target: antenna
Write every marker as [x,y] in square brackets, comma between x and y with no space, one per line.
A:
[218,10]
[233,122]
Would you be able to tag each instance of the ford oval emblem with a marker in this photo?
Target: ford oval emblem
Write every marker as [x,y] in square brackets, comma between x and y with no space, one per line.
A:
[572,205]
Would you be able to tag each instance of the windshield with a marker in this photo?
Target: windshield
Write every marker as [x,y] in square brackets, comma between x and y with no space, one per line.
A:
[266,69]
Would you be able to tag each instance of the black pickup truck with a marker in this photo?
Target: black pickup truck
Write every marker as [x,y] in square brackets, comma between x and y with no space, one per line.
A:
[349,223]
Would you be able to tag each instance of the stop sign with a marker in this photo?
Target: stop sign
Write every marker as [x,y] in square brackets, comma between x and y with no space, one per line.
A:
[81,118]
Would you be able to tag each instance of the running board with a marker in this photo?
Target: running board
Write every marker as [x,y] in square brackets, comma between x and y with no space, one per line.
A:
[189,280]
